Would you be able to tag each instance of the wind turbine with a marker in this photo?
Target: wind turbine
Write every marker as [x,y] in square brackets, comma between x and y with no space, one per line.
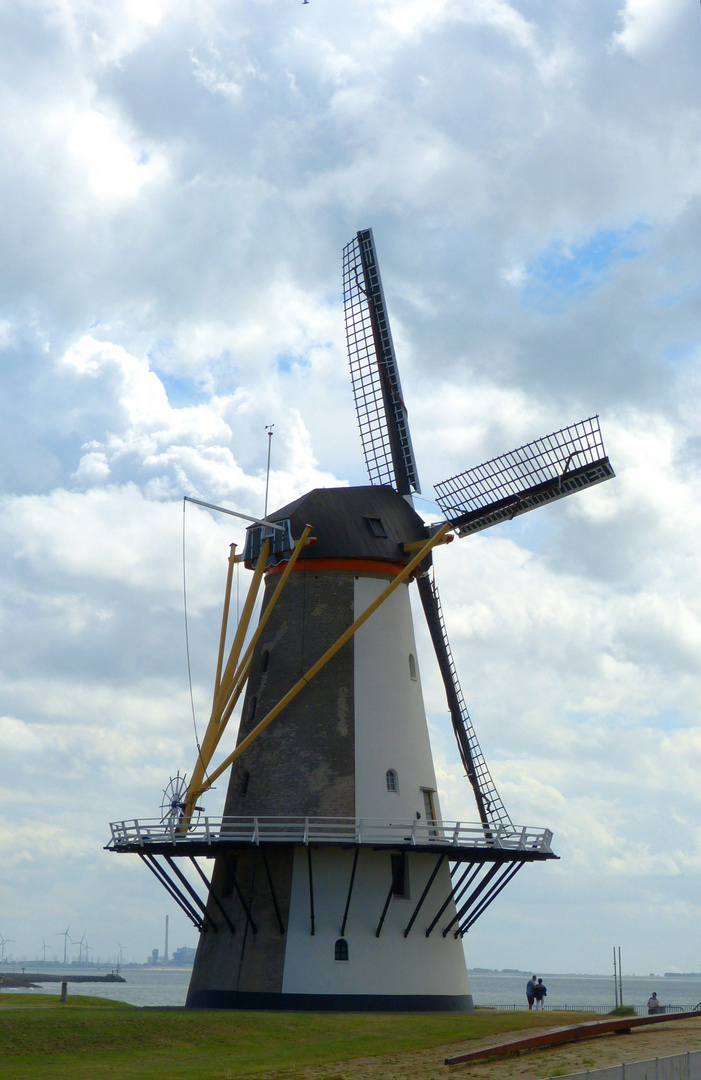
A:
[3,942]
[43,949]
[66,939]
[81,946]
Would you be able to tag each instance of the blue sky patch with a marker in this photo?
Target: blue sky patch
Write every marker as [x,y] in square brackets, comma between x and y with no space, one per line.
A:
[287,361]
[181,391]
[561,270]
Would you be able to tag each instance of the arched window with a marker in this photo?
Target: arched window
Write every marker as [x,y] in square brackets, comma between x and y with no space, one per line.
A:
[340,949]
[412,666]
[392,781]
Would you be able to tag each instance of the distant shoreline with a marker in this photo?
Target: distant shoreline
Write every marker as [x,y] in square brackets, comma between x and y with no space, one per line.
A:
[581,974]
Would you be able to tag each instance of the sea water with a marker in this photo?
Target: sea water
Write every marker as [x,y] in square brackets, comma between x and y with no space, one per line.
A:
[509,990]
[142,986]
[168,986]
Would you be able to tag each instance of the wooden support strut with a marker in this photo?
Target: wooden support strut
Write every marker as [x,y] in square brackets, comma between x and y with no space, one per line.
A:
[454,893]
[198,900]
[244,905]
[481,885]
[180,899]
[241,630]
[213,734]
[240,677]
[224,620]
[328,655]
[272,891]
[487,900]
[424,894]
[395,881]
[229,687]
[311,890]
[350,891]
[213,895]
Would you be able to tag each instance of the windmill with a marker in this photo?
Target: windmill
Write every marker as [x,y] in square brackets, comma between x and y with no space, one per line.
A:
[336,882]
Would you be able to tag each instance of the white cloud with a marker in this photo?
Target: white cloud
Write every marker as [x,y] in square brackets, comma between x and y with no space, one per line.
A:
[180,182]
[646,23]
[113,169]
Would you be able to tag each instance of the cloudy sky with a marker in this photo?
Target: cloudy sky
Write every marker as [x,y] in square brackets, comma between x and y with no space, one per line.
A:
[177,182]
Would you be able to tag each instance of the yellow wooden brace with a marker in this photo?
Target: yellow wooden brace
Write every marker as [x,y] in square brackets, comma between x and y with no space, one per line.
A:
[330,652]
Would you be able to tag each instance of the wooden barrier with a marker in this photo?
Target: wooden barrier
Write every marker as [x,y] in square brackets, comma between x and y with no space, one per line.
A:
[620,1025]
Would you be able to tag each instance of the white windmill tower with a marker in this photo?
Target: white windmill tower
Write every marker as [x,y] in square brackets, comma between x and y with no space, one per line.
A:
[336,882]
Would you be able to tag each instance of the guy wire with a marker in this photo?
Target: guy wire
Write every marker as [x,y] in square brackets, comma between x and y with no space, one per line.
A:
[187,650]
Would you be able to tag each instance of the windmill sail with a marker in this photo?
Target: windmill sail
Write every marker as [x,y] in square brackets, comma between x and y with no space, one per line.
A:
[491,809]
[389,456]
[382,415]
[539,472]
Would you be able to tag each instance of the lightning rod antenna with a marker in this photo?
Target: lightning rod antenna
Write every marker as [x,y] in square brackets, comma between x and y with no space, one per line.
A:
[269,429]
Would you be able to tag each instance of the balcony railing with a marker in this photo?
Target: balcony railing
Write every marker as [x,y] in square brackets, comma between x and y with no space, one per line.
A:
[377,832]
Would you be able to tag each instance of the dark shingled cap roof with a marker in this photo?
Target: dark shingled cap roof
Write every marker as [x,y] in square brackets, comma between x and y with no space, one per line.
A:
[348,523]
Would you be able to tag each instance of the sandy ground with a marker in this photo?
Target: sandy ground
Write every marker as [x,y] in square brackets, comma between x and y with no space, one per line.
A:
[675,1037]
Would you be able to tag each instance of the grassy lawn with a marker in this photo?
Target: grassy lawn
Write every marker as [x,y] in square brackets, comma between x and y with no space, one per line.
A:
[95,1039]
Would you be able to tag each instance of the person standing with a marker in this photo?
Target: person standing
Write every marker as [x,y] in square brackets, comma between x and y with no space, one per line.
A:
[540,992]
[653,1004]
[530,992]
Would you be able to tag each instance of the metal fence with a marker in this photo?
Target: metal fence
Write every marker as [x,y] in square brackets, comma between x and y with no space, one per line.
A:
[327,830]
[603,1010]
[678,1067]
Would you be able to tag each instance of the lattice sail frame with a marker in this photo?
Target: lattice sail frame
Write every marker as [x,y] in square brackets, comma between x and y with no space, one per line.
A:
[489,802]
[382,415]
[532,475]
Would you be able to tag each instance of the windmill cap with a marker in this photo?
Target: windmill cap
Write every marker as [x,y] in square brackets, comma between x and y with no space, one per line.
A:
[367,523]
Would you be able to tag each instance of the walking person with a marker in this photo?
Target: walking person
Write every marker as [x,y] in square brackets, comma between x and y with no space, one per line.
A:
[540,992]
[530,992]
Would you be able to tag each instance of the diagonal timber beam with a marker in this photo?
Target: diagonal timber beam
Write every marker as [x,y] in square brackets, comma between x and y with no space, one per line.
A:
[242,628]
[211,736]
[323,661]
[229,691]
[239,679]
[224,619]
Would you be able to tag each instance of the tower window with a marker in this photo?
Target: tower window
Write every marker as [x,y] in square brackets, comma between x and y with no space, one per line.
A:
[412,666]
[254,706]
[392,781]
[340,950]
[376,527]
[265,659]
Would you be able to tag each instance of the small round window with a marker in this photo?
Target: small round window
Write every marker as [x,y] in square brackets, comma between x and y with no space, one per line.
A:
[392,781]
